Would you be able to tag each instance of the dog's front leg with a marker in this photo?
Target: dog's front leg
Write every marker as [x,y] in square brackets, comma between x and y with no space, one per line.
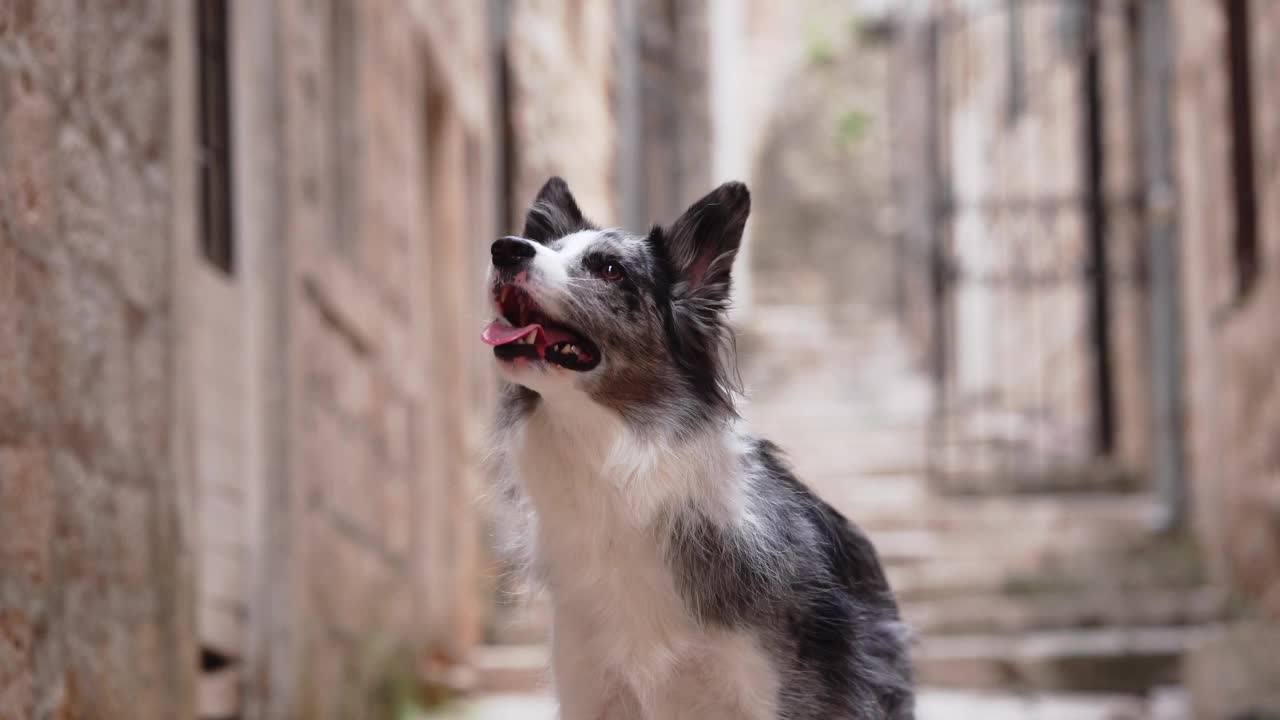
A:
[585,688]
[726,677]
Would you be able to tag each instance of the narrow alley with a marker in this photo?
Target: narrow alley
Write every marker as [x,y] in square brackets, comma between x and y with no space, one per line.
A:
[1007,297]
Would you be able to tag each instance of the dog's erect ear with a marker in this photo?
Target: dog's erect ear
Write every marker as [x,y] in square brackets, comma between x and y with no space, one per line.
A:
[554,213]
[702,243]
[699,248]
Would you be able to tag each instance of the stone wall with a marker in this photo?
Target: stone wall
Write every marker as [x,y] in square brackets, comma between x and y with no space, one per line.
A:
[273,464]
[268,469]
[820,175]
[1232,337]
[561,59]
[1232,340]
[914,186]
[615,97]
[95,577]
[385,381]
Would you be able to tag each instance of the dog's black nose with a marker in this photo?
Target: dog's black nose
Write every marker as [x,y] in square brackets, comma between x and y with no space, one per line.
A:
[510,252]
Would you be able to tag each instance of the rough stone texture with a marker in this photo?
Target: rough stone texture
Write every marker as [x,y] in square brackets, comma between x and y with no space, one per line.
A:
[818,205]
[291,477]
[1233,673]
[674,139]
[383,431]
[94,577]
[560,54]
[1232,340]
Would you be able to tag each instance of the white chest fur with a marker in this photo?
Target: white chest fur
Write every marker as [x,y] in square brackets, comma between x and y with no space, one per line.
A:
[597,490]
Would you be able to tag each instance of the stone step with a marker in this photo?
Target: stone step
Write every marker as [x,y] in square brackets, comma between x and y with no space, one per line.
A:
[993,612]
[843,436]
[968,576]
[931,704]
[1167,562]
[876,504]
[910,505]
[970,470]
[843,439]
[953,704]
[772,420]
[997,611]
[1013,536]
[1232,671]
[511,668]
[905,546]
[526,622]
[915,581]
[1133,661]
[820,473]
[1129,660]
[1088,608]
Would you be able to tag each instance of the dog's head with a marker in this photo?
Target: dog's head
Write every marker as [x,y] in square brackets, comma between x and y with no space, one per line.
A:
[632,322]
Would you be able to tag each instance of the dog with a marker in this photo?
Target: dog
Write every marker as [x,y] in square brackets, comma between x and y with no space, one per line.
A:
[690,573]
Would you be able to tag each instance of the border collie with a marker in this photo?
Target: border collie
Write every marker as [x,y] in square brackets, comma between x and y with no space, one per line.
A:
[691,575]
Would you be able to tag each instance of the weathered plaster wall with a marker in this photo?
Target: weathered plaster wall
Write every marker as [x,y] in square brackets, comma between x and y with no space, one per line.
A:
[94,577]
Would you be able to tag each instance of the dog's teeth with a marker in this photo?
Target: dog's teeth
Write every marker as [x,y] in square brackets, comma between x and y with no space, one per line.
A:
[571,349]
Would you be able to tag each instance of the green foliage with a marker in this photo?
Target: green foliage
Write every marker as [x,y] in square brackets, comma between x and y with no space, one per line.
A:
[397,688]
[821,50]
[852,127]
[393,683]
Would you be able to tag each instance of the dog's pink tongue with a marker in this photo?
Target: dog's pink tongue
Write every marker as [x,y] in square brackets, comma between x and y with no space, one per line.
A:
[495,333]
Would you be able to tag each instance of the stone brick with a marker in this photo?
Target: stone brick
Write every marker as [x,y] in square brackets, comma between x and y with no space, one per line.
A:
[94,402]
[13,353]
[1233,398]
[110,199]
[25,536]
[37,343]
[562,51]
[17,649]
[1232,673]
[26,134]
[341,595]
[84,231]
[1232,340]
[150,338]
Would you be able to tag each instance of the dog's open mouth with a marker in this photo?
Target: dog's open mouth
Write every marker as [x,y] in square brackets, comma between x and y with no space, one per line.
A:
[522,330]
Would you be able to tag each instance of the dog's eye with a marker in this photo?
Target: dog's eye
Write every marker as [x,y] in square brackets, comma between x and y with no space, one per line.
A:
[612,271]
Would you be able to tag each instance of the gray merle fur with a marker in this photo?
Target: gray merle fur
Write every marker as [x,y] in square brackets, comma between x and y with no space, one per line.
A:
[808,584]
[824,606]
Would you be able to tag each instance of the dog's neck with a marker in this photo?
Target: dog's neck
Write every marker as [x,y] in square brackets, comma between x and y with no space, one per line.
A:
[572,449]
